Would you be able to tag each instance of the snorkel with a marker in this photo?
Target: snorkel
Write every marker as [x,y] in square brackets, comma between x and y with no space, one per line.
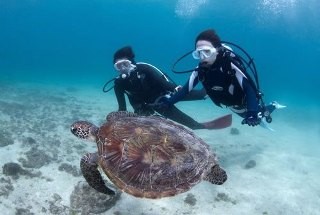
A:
[178,60]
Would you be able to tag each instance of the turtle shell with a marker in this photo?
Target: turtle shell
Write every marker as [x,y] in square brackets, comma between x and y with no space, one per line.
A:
[152,157]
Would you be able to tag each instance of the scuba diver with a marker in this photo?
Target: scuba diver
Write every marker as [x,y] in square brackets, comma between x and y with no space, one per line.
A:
[144,85]
[223,75]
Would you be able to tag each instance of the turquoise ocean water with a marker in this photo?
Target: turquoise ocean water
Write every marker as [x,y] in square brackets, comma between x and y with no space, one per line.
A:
[71,43]
[74,41]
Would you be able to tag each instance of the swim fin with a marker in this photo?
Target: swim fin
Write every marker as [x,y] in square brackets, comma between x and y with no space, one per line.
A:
[219,123]
[265,125]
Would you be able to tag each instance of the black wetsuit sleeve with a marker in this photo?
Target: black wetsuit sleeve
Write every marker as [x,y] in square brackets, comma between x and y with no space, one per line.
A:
[162,80]
[135,103]
[119,92]
[250,95]
[178,96]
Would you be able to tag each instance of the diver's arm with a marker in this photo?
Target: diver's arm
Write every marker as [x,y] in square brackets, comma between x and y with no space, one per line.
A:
[252,117]
[157,76]
[249,91]
[119,92]
[135,103]
[185,90]
[251,98]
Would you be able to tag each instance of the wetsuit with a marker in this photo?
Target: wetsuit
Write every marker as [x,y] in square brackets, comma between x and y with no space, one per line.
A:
[144,86]
[225,84]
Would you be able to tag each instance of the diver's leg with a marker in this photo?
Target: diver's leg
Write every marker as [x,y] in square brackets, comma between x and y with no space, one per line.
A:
[143,110]
[177,115]
[195,95]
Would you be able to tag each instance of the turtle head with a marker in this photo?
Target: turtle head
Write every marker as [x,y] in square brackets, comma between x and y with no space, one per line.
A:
[84,130]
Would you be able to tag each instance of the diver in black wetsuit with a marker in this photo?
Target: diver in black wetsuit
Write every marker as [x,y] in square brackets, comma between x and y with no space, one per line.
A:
[144,84]
[223,76]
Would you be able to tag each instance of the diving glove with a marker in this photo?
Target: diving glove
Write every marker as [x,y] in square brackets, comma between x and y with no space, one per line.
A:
[162,102]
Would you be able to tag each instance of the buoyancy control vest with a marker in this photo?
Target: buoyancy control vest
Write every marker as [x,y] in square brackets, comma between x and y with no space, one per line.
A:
[220,83]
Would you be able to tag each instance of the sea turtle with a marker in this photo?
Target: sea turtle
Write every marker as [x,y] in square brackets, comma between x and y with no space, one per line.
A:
[146,156]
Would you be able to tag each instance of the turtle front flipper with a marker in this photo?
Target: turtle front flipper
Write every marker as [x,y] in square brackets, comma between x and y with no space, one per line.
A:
[217,175]
[89,169]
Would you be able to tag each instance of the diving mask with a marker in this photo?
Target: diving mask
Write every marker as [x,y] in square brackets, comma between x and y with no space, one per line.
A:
[204,52]
[124,66]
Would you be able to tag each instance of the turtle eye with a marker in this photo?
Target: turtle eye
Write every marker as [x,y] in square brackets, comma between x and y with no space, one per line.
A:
[73,129]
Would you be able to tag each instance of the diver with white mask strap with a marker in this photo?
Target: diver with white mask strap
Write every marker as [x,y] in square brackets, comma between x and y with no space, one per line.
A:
[224,76]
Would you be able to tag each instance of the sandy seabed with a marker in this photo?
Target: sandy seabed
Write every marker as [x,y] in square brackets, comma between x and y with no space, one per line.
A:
[269,172]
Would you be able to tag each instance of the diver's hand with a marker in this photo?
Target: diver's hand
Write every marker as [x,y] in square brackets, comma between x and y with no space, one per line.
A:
[163,103]
[179,87]
[252,118]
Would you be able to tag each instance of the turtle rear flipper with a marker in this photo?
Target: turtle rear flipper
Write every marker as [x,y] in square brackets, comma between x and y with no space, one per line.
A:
[89,169]
[217,175]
